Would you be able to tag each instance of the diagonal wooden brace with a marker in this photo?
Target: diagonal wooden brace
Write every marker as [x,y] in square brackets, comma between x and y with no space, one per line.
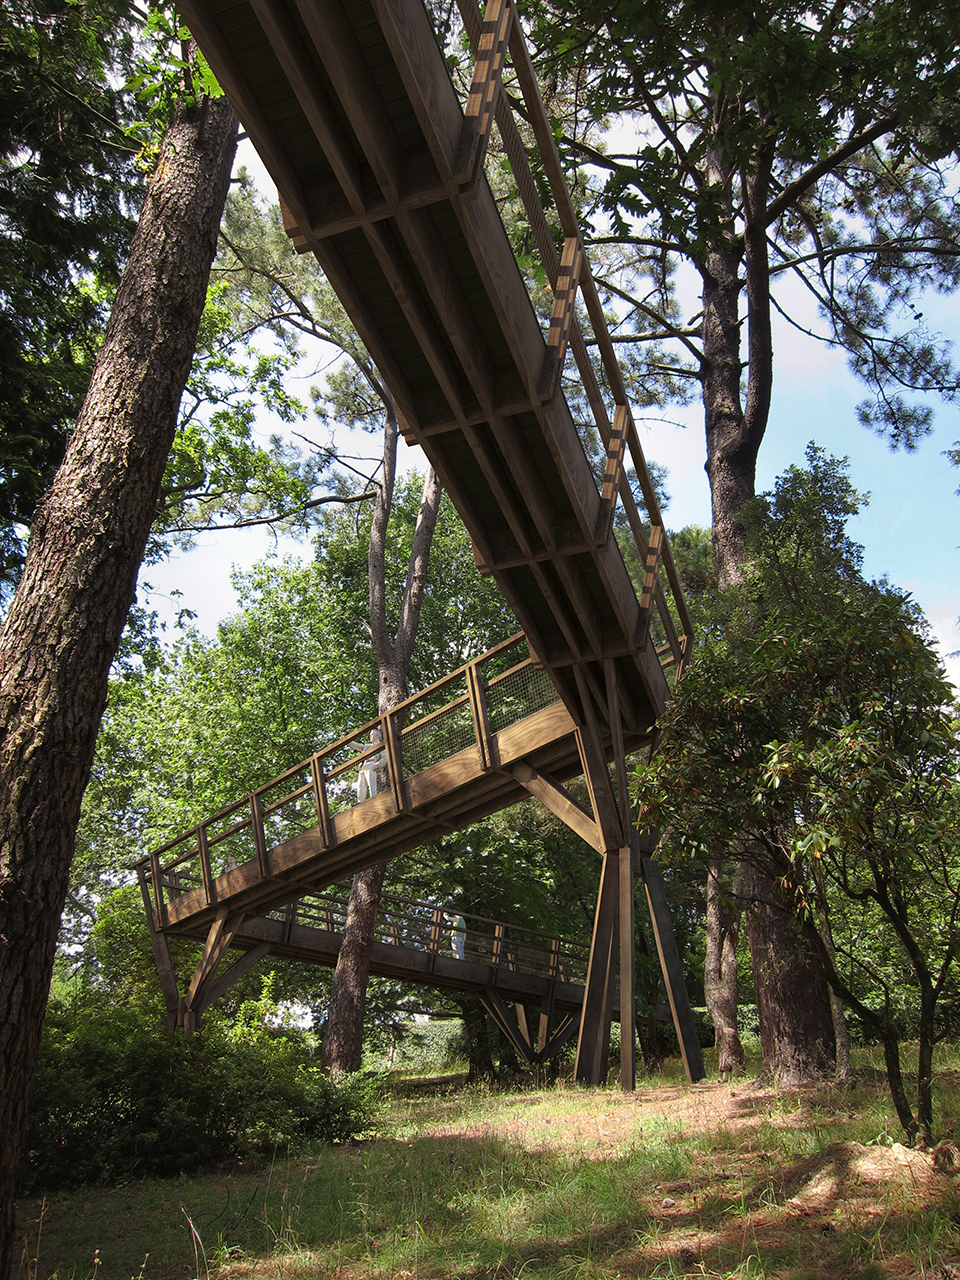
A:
[612,475]
[561,319]
[482,100]
[219,937]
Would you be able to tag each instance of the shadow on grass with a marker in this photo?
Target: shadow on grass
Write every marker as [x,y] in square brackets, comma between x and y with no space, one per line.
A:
[476,1205]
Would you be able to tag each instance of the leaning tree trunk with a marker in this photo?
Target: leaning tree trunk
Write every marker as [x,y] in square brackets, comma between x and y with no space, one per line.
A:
[720,973]
[343,1041]
[64,625]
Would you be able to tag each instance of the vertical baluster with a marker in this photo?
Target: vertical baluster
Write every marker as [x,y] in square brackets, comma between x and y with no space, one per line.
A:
[259,834]
[206,873]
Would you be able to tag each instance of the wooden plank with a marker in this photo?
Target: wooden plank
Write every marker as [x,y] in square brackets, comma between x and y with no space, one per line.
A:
[481,722]
[559,802]
[672,970]
[206,874]
[651,564]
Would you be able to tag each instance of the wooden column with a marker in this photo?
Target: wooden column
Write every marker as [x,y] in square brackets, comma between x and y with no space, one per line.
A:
[161,954]
[628,1007]
[593,1044]
[672,970]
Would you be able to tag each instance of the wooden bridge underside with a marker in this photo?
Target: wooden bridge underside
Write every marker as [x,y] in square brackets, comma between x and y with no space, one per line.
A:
[379,169]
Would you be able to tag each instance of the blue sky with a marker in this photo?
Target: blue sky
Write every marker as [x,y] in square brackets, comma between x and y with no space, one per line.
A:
[910,530]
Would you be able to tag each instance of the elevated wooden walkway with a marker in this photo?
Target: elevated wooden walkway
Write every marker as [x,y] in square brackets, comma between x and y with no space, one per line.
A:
[541,975]
[379,169]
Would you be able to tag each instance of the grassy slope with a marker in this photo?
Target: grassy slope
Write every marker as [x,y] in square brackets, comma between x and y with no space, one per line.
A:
[720,1180]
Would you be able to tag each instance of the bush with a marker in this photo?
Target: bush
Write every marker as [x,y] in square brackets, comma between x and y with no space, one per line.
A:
[115,1098]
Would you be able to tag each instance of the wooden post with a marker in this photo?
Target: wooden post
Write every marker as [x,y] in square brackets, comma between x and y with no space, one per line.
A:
[161,954]
[672,970]
[497,945]
[435,930]
[320,799]
[259,834]
[390,733]
[593,1045]
[628,1017]
[206,873]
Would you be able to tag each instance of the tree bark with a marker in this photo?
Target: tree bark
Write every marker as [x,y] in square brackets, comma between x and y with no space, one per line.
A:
[65,621]
[720,973]
[343,1042]
[796,1029]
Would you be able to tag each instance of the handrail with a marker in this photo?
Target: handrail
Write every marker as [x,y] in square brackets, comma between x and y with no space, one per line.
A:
[560,955]
[323,777]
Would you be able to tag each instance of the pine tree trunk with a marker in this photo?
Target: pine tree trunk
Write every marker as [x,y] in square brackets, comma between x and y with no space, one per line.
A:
[86,545]
[796,1027]
[720,973]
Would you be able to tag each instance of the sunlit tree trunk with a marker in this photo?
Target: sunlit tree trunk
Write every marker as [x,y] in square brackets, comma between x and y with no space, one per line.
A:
[86,545]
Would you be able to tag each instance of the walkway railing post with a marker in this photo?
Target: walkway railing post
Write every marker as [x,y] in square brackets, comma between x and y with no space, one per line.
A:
[259,833]
[206,874]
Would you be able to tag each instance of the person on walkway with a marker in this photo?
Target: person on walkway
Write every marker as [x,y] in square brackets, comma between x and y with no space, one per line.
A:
[458,934]
[366,783]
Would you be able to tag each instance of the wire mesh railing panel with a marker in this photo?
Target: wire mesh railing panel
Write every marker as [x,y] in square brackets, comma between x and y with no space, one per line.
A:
[517,695]
[323,911]
[355,770]
[289,806]
[231,850]
[437,735]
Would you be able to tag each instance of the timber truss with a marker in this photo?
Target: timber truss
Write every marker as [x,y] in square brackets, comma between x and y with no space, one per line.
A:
[379,167]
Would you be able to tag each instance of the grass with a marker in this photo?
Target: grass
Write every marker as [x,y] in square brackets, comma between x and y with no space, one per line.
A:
[549,1183]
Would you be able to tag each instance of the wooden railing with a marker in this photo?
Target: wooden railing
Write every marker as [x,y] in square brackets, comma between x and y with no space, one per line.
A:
[498,43]
[444,930]
[462,710]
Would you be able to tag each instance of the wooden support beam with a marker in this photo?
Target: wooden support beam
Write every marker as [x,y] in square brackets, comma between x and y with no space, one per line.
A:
[612,475]
[619,756]
[593,1046]
[339,49]
[546,1020]
[628,979]
[593,758]
[236,971]
[491,1001]
[569,1026]
[564,310]
[319,111]
[161,954]
[672,970]
[560,803]
[491,50]
[211,954]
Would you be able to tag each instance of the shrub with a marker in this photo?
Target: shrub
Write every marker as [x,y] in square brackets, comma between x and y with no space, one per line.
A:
[115,1098]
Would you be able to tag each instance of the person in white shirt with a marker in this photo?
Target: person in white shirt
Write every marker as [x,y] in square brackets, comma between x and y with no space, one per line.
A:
[366,783]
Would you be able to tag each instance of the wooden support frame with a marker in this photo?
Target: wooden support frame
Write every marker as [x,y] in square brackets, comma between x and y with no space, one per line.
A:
[484,90]
[593,1045]
[672,969]
[236,971]
[560,803]
[651,564]
[161,954]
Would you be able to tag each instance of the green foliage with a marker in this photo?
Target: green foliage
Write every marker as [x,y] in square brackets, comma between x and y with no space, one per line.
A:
[815,735]
[68,188]
[116,1098]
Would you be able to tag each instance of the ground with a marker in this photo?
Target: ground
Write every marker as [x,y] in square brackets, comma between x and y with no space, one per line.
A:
[717,1180]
